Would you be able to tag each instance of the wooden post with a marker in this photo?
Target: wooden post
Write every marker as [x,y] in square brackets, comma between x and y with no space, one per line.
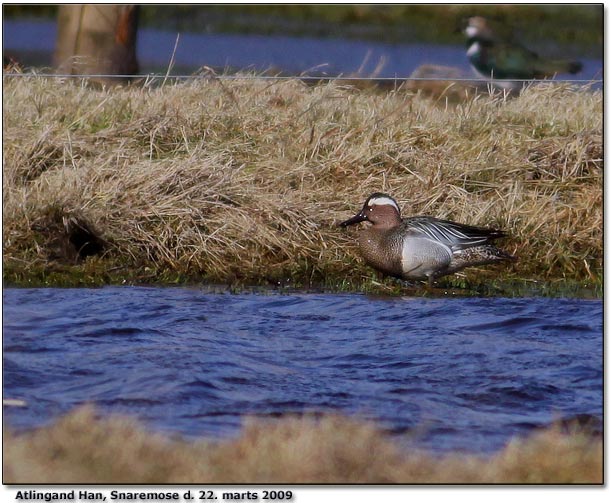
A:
[97,39]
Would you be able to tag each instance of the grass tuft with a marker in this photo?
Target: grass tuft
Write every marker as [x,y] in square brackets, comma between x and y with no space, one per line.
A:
[84,448]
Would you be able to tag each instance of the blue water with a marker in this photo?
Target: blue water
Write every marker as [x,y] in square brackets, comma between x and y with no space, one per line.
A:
[293,55]
[459,373]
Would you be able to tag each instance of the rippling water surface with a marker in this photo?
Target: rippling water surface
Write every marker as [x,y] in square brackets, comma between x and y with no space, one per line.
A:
[462,373]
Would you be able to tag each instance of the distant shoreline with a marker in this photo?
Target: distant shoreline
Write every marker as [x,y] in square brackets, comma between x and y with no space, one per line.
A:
[562,28]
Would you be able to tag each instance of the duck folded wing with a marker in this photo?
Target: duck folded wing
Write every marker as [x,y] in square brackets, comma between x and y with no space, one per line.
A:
[454,235]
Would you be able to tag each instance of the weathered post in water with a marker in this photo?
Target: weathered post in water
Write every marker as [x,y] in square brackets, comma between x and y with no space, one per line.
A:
[97,39]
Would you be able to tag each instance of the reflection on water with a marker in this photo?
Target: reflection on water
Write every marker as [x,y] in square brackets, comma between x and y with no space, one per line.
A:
[463,373]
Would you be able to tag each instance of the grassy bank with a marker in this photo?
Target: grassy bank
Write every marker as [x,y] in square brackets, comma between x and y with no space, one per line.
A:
[243,182]
[82,448]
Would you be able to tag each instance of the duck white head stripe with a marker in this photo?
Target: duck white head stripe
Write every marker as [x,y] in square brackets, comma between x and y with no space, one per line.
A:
[383,201]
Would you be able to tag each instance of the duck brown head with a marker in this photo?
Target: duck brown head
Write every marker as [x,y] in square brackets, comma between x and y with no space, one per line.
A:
[381,210]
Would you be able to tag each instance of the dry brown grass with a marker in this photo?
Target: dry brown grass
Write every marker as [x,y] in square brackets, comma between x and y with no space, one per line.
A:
[245,180]
[82,448]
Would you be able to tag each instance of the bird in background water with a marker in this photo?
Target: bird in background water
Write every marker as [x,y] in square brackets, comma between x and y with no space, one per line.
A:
[421,247]
[495,55]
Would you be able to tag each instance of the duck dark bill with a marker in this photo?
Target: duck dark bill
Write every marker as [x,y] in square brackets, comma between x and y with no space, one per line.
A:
[359,217]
